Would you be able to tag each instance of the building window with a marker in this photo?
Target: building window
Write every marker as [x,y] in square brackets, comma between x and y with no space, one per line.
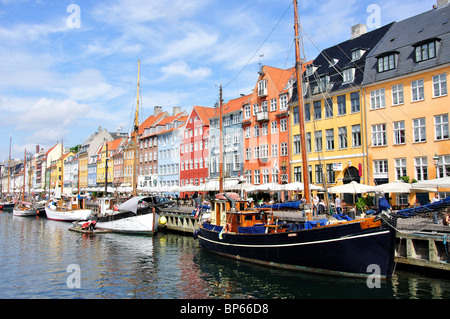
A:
[308,142]
[419,130]
[256,131]
[275,175]
[262,88]
[265,128]
[317,110]
[319,174]
[400,168]
[283,125]
[284,149]
[417,91]
[318,141]
[248,133]
[342,109]
[354,101]
[297,174]
[329,108]
[274,150]
[386,63]
[265,176]
[248,153]
[397,94]
[247,114]
[331,177]
[380,168]
[296,144]
[348,75]
[399,132]
[273,105]
[425,51]
[356,135]
[443,169]
[441,127]
[421,167]
[296,115]
[329,136]
[273,127]
[283,102]
[379,135]
[342,137]
[377,99]
[257,177]
[440,85]
[307,112]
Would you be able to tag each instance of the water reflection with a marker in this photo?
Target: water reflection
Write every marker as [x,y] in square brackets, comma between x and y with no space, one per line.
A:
[35,254]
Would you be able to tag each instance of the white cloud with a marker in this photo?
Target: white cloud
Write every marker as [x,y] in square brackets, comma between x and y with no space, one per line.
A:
[181,68]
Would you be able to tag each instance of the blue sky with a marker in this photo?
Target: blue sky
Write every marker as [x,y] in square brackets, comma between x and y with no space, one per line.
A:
[68,67]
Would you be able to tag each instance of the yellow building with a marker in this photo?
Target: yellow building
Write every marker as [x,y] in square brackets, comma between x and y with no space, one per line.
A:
[334,113]
[408,103]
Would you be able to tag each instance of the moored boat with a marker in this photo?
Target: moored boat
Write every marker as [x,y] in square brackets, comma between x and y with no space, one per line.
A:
[24,209]
[346,248]
[138,215]
[66,211]
[7,206]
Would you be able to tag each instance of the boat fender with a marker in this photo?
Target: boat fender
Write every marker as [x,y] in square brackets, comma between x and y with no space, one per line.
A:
[116,208]
[227,228]
[162,220]
[195,234]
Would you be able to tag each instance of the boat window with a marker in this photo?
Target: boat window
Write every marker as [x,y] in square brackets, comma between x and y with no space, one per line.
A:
[248,217]
[258,216]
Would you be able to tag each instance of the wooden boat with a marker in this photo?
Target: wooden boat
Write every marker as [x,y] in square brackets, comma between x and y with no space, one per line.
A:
[66,210]
[357,248]
[7,206]
[24,209]
[344,248]
[88,228]
[138,215]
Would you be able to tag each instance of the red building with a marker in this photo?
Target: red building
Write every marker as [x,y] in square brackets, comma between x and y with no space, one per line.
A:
[194,147]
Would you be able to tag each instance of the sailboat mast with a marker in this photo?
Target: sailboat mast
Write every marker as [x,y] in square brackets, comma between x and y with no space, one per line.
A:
[136,127]
[24,170]
[220,142]
[298,67]
[62,168]
[9,164]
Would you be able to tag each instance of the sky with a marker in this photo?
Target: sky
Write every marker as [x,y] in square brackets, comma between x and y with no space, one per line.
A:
[69,67]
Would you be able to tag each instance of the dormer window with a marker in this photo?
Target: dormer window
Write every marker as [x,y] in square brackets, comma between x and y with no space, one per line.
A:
[323,83]
[333,62]
[348,75]
[357,54]
[387,62]
[310,69]
[425,51]
[262,88]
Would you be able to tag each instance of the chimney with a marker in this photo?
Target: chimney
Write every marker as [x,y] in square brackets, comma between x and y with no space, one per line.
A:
[176,110]
[157,110]
[442,3]
[358,30]
[37,149]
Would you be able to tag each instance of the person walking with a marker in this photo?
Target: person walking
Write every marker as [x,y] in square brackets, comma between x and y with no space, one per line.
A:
[337,205]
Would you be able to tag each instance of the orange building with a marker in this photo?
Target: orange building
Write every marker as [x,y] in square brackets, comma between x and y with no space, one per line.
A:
[266,127]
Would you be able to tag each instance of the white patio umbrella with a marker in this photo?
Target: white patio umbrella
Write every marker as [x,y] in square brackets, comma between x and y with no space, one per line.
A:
[443,182]
[398,187]
[352,188]
[298,186]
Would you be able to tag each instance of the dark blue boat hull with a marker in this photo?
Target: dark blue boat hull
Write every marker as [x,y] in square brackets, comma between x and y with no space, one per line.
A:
[345,249]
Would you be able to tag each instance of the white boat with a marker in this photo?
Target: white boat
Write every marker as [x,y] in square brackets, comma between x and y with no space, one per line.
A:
[138,215]
[24,210]
[66,211]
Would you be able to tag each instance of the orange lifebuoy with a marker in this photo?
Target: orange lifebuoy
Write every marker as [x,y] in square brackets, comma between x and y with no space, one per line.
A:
[227,228]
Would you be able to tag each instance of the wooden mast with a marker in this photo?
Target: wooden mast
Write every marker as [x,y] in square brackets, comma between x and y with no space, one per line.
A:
[24,170]
[298,67]
[220,142]
[136,127]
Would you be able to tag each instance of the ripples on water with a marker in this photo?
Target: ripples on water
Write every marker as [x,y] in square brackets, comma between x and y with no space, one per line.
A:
[35,254]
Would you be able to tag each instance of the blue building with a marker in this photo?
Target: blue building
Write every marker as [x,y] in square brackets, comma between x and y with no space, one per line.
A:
[232,141]
[169,139]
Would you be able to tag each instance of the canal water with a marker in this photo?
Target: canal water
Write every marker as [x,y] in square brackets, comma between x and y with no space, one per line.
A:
[40,258]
